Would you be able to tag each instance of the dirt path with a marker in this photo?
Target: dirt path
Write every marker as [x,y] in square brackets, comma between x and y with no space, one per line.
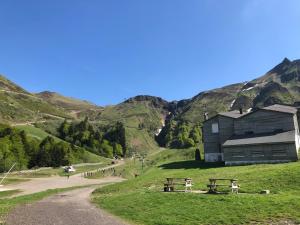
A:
[69,208]
[42,184]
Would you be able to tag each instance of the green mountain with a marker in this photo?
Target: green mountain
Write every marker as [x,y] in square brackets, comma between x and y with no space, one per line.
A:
[146,117]
[76,108]
[19,106]
[279,85]
[143,116]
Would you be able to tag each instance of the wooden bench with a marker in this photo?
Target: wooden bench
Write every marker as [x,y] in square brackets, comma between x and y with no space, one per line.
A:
[170,184]
[213,185]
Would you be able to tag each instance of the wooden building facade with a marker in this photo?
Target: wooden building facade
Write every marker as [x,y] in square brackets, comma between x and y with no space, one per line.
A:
[267,135]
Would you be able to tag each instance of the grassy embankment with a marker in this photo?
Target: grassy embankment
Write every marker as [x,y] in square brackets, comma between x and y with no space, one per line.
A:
[142,201]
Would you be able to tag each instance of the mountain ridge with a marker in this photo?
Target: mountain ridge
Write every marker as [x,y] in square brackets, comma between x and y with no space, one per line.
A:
[144,115]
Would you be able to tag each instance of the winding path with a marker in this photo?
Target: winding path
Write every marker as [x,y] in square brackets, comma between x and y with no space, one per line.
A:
[42,184]
[69,208]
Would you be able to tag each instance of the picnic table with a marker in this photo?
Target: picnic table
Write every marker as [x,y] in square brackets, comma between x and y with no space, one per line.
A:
[213,184]
[169,185]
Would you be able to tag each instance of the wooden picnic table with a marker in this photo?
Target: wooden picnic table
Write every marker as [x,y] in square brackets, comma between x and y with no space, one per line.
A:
[170,184]
[213,184]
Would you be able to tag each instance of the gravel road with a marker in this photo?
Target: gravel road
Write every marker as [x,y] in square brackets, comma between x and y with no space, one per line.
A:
[42,184]
[68,208]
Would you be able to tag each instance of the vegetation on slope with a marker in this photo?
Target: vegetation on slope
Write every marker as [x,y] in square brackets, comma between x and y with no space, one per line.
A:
[108,141]
[27,152]
[152,206]
[179,135]
[18,105]
[75,107]
[142,117]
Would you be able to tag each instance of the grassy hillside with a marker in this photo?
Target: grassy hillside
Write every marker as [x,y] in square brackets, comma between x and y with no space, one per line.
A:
[152,206]
[86,157]
[142,116]
[149,111]
[213,101]
[77,108]
[18,105]
[35,132]
[7,85]
[139,140]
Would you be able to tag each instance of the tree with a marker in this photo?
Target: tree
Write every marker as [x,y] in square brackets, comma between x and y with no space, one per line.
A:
[107,149]
[61,154]
[6,158]
[196,134]
[118,150]
[96,139]
[43,157]
[188,142]
[197,155]
[17,149]
[64,129]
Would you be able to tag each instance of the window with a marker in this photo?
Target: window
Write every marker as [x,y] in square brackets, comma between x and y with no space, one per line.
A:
[215,128]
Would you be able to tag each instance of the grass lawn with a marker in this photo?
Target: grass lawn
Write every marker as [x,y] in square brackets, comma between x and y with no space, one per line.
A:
[142,201]
[4,194]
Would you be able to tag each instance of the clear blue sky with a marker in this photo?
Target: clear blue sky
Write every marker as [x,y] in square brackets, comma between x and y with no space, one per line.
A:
[105,51]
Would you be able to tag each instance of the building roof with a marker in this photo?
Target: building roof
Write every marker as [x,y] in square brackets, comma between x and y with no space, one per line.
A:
[232,114]
[266,138]
[282,108]
[235,114]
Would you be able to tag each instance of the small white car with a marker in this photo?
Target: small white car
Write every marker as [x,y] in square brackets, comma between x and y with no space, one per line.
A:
[69,169]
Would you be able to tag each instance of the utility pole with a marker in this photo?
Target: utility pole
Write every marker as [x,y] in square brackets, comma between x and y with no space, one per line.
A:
[143,159]
[7,173]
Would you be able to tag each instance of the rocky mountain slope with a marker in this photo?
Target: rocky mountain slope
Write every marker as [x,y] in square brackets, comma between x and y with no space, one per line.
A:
[279,85]
[144,116]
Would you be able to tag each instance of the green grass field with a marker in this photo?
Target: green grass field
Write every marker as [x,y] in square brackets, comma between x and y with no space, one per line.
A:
[142,201]
[4,194]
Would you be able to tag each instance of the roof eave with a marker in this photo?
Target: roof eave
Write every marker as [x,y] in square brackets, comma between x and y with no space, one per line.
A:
[268,143]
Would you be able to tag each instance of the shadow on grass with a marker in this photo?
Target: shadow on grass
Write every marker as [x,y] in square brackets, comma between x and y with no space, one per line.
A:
[191,164]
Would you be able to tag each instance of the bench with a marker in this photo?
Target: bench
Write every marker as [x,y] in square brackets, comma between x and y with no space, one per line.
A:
[170,184]
[213,185]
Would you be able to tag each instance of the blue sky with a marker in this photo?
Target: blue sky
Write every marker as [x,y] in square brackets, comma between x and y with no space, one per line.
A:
[106,51]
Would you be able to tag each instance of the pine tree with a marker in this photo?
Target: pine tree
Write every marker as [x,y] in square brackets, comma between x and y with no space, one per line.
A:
[197,155]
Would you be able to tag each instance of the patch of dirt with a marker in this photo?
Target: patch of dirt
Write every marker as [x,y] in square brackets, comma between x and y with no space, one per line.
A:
[69,208]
